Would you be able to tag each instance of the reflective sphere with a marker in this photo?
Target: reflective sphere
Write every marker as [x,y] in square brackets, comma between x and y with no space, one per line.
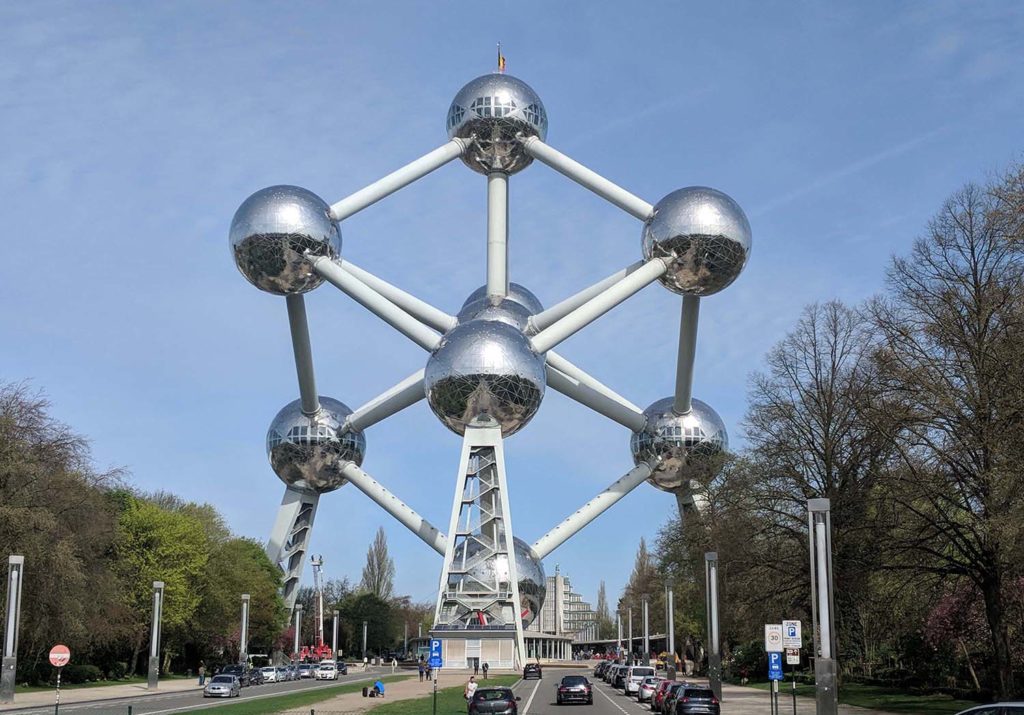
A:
[485,370]
[493,572]
[705,233]
[679,446]
[517,307]
[271,232]
[307,452]
[492,109]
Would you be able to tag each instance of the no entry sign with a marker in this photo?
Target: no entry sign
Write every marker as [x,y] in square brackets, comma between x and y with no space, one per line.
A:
[59,656]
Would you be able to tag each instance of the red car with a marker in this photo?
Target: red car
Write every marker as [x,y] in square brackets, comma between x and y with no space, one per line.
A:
[659,695]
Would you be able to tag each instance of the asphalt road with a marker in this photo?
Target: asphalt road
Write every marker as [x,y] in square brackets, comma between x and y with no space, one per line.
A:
[538,697]
[189,700]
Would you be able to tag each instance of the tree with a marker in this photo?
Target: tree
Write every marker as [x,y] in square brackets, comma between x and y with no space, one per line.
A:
[605,624]
[379,571]
[951,374]
[377,613]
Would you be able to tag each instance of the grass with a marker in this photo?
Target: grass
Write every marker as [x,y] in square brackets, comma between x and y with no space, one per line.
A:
[269,706]
[134,680]
[877,697]
[449,700]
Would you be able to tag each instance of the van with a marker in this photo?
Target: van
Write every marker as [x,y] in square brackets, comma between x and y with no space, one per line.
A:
[636,673]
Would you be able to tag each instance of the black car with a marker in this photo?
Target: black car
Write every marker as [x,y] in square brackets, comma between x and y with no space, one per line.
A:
[619,679]
[696,701]
[668,704]
[532,670]
[574,689]
[242,672]
[494,701]
[255,676]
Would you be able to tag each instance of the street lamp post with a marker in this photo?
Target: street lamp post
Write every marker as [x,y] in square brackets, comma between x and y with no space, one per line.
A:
[618,631]
[364,639]
[298,630]
[647,637]
[243,641]
[629,658]
[15,576]
[819,527]
[670,667]
[334,634]
[711,594]
[154,638]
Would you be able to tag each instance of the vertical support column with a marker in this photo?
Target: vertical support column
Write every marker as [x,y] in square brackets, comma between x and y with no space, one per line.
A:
[334,634]
[405,639]
[671,665]
[243,640]
[647,637]
[154,635]
[618,631]
[364,639]
[12,621]
[629,658]
[289,539]
[711,594]
[819,526]
[298,631]
[497,235]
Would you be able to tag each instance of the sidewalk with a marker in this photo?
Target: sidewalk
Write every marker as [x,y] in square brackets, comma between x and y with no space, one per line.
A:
[101,692]
[737,700]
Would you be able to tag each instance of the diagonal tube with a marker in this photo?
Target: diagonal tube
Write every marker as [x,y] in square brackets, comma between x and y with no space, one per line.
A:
[545,318]
[588,397]
[497,235]
[591,510]
[408,392]
[599,305]
[688,320]
[558,362]
[376,303]
[397,179]
[421,310]
[303,354]
[395,507]
[588,179]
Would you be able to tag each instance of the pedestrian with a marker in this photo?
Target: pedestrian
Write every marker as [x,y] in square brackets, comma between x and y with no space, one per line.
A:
[486,668]
[422,671]
[476,666]
[470,689]
[202,672]
[366,663]
[394,664]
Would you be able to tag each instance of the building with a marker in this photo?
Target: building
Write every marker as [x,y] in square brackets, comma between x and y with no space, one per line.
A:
[565,617]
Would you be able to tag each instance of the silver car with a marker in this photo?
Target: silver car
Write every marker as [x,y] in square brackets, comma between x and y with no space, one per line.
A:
[223,686]
[269,674]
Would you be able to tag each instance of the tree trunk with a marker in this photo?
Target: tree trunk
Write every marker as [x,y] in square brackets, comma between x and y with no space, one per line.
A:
[970,665]
[996,616]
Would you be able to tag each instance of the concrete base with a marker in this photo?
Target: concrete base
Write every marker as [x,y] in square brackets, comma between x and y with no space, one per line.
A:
[715,675]
[466,648]
[827,693]
[7,679]
[154,673]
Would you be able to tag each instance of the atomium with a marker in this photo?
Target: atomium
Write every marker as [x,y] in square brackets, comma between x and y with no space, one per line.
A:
[307,451]
[491,111]
[678,446]
[272,233]
[704,233]
[493,572]
[515,308]
[485,369]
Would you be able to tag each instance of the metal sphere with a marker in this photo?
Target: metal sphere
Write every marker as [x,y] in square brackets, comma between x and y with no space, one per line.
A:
[273,230]
[307,452]
[485,370]
[491,110]
[515,309]
[707,236]
[493,571]
[678,446]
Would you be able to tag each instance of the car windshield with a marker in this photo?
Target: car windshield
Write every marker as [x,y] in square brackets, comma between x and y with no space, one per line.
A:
[492,694]
[326,667]
[643,672]
[222,679]
[305,667]
[650,680]
[574,680]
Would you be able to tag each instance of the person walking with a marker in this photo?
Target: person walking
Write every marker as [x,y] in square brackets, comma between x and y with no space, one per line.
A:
[470,689]
[476,666]
[394,664]
[486,668]
[423,671]
[366,663]
[202,672]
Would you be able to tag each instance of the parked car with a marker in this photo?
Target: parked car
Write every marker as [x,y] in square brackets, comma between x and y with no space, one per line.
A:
[494,701]
[326,672]
[269,674]
[995,709]
[256,676]
[240,671]
[222,686]
[574,689]
[305,670]
[619,679]
[532,670]
[599,668]
[635,674]
[659,695]
[691,700]
[647,687]
[293,671]
[668,704]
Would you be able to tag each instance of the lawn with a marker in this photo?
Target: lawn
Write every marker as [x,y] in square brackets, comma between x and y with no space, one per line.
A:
[278,703]
[879,698]
[137,679]
[449,700]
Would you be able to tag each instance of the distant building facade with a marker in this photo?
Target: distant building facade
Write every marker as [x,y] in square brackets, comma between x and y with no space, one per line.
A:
[565,617]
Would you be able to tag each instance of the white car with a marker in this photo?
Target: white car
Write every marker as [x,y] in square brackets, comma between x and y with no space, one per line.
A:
[269,674]
[647,687]
[635,674]
[326,672]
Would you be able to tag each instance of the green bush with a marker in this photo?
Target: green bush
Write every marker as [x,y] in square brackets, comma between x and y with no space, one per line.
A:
[81,674]
[117,671]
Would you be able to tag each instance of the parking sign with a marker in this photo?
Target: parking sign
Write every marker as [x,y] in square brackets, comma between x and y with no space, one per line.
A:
[791,634]
[435,653]
[775,666]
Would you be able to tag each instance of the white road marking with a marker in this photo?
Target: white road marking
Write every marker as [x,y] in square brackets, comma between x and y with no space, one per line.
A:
[530,701]
[615,704]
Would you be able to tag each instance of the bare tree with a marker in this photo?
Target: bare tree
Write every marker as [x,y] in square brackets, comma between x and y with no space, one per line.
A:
[379,571]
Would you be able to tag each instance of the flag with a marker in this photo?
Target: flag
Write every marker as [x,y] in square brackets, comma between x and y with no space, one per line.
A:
[501,60]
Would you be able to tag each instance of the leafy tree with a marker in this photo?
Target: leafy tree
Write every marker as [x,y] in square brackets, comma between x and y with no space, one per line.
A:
[379,571]
[378,615]
[605,624]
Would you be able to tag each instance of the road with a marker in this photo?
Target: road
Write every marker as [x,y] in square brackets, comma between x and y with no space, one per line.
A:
[188,700]
[538,696]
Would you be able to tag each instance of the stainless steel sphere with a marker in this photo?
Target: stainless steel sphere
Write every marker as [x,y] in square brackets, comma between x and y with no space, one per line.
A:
[516,308]
[491,110]
[308,452]
[679,446]
[493,571]
[271,232]
[707,236]
[485,370]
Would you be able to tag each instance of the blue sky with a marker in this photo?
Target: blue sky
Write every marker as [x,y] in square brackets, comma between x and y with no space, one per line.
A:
[130,133]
